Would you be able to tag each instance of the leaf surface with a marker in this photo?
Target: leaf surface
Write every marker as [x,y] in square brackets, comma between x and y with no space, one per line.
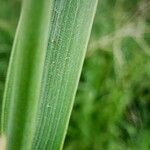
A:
[43,77]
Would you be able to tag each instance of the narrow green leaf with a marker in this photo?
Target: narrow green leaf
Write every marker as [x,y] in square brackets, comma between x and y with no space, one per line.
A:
[38,100]
[71,25]
[25,73]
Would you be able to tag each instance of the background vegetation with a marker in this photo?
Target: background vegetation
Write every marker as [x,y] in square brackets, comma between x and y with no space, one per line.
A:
[112,106]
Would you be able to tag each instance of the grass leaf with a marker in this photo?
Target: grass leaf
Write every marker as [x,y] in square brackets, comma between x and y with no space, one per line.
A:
[44,72]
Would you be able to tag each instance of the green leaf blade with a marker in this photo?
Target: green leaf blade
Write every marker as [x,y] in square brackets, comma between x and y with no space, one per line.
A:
[41,85]
[66,51]
[24,74]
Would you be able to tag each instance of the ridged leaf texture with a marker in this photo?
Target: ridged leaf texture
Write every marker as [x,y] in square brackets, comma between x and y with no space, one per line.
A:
[44,71]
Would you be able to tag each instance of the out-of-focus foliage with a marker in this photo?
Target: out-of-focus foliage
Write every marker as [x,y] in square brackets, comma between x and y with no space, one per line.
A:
[9,12]
[112,106]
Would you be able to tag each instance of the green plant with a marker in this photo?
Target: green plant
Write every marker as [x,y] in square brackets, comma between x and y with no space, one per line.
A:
[44,71]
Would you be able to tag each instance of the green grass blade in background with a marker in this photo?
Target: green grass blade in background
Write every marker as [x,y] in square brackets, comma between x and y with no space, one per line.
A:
[24,75]
[71,26]
[37,109]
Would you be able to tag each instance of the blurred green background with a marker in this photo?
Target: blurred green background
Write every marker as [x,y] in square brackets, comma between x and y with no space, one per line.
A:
[112,106]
